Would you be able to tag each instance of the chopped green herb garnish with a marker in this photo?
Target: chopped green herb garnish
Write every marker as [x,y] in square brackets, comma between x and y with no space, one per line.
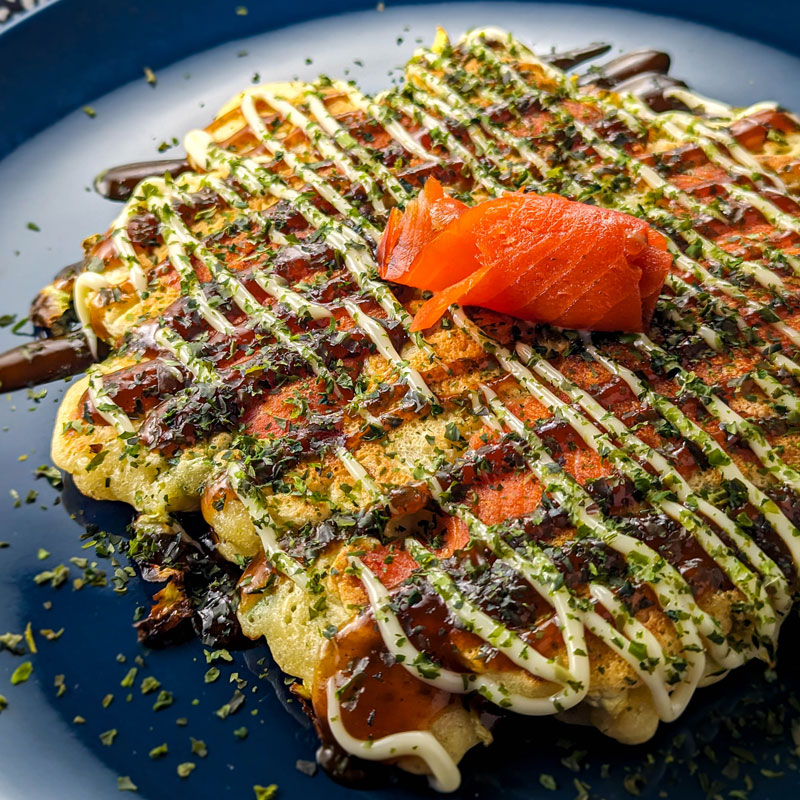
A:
[330,631]
[22,673]
[50,474]
[548,781]
[12,642]
[29,640]
[129,678]
[199,748]
[97,460]
[215,655]
[452,433]
[107,737]
[159,752]
[125,784]
[232,706]
[185,769]
[164,700]
[150,684]
[55,577]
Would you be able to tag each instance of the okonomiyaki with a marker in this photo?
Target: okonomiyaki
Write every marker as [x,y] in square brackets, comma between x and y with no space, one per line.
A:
[484,512]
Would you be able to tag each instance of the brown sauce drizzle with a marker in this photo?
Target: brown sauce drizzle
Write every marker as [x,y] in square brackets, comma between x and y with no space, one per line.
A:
[51,311]
[117,183]
[626,66]
[567,59]
[682,550]
[138,388]
[649,87]
[44,360]
[751,132]
[176,419]
[381,696]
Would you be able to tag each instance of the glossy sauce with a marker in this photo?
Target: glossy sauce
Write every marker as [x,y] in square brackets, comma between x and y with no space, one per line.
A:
[626,66]
[383,696]
[44,360]
[649,87]
[117,183]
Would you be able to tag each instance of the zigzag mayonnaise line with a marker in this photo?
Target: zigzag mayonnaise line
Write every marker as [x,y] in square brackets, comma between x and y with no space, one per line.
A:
[335,188]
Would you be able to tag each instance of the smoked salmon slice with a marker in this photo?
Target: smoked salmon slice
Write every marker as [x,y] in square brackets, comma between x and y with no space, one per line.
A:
[538,257]
[430,212]
[390,564]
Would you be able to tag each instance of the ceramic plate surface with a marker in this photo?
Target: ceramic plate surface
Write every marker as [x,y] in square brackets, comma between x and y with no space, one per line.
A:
[735,735]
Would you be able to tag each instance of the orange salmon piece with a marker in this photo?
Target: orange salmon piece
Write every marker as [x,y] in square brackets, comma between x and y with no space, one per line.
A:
[453,254]
[547,259]
[390,563]
[408,232]
[272,414]
[454,537]
[655,261]
[506,496]
[390,238]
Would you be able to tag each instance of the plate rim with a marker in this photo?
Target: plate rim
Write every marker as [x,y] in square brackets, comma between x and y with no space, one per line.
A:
[58,23]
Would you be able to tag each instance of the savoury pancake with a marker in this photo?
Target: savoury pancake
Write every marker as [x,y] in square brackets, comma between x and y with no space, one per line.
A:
[487,513]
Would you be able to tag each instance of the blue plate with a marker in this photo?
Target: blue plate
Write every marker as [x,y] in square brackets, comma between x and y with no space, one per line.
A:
[736,735]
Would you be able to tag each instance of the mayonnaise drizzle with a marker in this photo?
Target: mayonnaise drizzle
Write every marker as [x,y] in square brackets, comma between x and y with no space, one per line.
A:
[658,670]
[465,112]
[601,443]
[86,284]
[125,250]
[298,167]
[106,407]
[445,776]
[722,461]
[542,576]
[664,470]
[253,501]
[716,108]
[277,287]
[383,343]
[349,244]
[475,42]
[726,415]
[350,145]
[681,126]
[383,115]
[314,134]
